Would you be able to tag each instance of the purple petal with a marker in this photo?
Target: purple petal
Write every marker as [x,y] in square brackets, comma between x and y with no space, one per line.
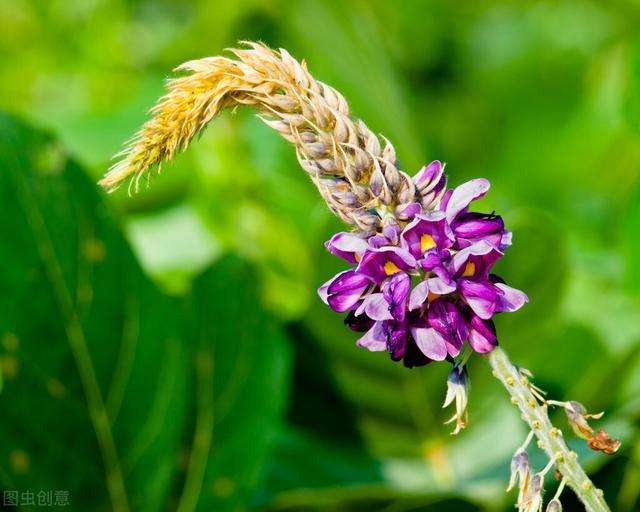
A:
[444,316]
[323,291]
[347,281]
[378,264]
[510,299]
[360,323]
[377,241]
[428,177]
[427,231]
[374,339]
[434,259]
[408,210]
[472,227]
[418,295]
[482,335]
[446,197]
[439,286]
[432,197]
[397,337]
[396,291]
[430,342]
[346,246]
[375,307]
[392,233]
[475,225]
[480,248]
[345,290]
[344,301]
[506,240]
[464,194]
[413,356]
[481,296]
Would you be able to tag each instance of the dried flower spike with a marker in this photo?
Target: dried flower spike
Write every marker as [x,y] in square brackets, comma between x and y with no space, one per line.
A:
[353,170]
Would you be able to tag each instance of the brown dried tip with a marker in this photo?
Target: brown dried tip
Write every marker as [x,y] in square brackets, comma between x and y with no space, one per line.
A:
[578,416]
[343,157]
[601,442]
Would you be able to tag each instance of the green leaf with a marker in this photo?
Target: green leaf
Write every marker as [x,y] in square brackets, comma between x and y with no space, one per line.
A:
[110,385]
[95,376]
[242,363]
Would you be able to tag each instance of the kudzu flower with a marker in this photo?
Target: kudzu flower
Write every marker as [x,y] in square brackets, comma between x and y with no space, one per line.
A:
[421,287]
[420,284]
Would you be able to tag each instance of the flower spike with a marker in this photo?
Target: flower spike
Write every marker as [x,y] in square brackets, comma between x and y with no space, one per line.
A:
[420,284]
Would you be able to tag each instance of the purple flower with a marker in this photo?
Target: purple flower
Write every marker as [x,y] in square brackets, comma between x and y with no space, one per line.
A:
[379,263]
[482,335]
[447,320]
[344,290]
[426,232]
[348,246]
[460,198]
[469,228]
[422,286]
[395,292]
[430,184]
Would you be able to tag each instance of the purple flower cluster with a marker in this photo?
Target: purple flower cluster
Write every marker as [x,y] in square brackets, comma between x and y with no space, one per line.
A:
[422,288]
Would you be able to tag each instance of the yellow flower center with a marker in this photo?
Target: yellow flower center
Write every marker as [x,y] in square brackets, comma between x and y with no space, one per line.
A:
[432,296]
[426,242]
[469,270]
[391,268]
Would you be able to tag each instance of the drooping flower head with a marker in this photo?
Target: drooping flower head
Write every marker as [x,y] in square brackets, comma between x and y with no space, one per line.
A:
[421,286]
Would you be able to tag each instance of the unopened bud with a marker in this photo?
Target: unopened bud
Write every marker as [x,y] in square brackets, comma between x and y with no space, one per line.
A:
[458,390]
[554,506]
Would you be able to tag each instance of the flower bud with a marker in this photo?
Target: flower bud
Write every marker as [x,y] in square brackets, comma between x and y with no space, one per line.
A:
[407,211]
[428,177]
[471,227]
[458,390]
[532,500]
[520,471]
[554,506]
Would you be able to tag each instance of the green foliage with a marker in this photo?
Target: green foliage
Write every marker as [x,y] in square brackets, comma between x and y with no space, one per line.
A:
[542,99]
[115,385]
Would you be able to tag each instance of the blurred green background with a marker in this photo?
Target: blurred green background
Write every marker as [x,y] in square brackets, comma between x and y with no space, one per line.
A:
[215,378]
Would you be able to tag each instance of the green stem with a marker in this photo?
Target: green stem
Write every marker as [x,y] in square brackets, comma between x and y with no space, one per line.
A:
[549,438]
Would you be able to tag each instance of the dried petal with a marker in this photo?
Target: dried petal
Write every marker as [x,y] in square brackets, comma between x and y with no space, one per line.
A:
[602,442]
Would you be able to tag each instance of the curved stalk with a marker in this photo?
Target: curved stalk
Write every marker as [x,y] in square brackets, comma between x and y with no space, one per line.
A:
[549,437]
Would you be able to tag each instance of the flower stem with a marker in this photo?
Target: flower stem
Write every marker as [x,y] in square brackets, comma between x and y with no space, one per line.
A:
[549,438]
